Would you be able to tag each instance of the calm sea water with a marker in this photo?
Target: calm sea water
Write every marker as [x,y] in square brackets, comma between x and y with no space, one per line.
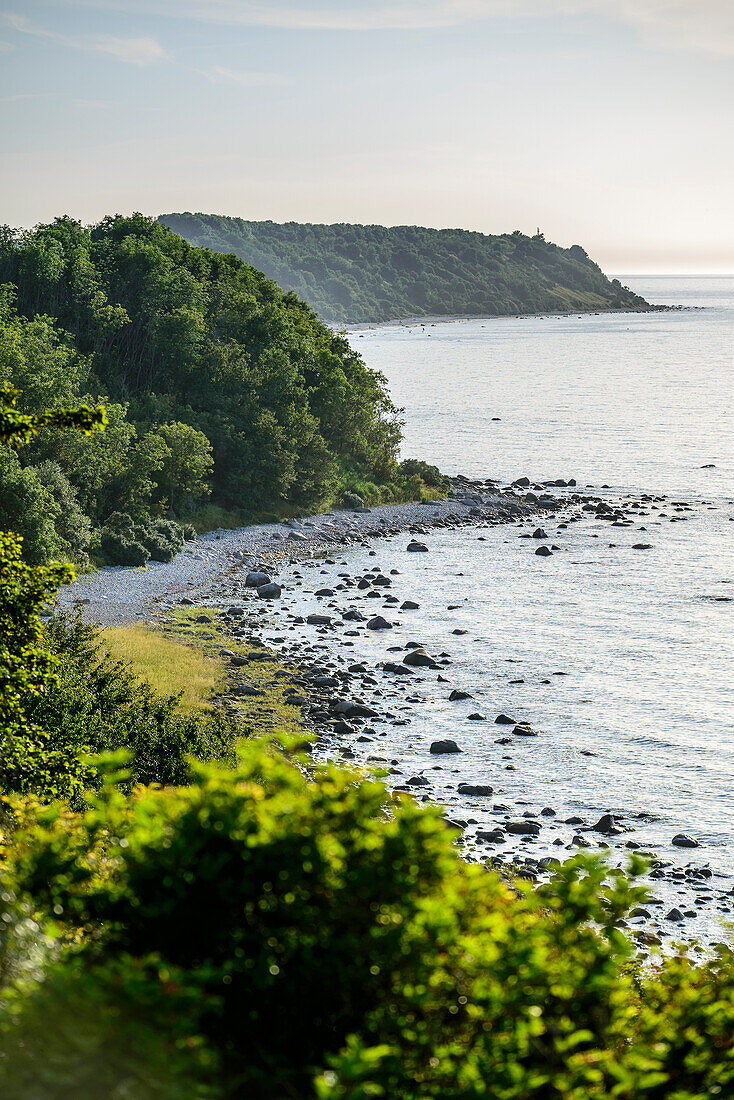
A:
[638,402]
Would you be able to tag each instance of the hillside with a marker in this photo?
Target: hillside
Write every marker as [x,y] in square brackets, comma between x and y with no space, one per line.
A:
[352,274]
[226,396]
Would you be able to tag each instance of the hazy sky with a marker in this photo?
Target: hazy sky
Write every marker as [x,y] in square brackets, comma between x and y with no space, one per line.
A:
[608,123]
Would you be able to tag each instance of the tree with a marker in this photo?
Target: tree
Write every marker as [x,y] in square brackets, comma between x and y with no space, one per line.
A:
[186,463]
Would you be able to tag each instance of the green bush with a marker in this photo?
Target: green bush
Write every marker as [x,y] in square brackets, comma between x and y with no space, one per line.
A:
[124,541]
[303,935]
[429,475]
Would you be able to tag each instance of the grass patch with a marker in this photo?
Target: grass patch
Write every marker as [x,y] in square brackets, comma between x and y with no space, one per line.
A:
[169,665]
[258,715]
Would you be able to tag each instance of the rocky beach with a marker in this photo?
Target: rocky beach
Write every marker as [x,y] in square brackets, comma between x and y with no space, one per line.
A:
[334,600]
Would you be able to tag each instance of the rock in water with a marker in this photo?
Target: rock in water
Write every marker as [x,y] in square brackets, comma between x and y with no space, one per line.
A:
[682,840]
[478,790]
[439,747]
[606,825]
[418,658]
[523,828]
[417,547]
[378,623]
[544,552]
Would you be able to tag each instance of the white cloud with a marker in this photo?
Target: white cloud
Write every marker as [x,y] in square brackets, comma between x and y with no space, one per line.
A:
[133,51]
[706,25]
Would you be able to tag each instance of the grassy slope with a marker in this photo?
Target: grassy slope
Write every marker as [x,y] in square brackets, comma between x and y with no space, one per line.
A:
[354,273]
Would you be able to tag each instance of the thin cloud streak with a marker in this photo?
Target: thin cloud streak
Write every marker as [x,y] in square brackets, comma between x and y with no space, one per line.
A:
[693,25]
[132,51]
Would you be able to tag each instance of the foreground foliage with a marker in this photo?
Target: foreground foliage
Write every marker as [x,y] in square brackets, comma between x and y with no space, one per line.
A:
[367,273]
[266,933]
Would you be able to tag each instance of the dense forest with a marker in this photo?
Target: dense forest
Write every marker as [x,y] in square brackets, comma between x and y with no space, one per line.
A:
[352,274]
[225,396]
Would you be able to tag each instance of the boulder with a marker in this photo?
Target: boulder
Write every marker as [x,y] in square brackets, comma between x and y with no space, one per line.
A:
[504,720]
[457,695]
[477,790]
[270,591]
[256,580]
[438,748]
[318,620]
[606,825]
[418,658]
[378,623]
[682,840]
[414,547]
[544,552]
[523,828]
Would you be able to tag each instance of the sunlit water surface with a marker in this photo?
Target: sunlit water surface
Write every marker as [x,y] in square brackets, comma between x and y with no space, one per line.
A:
[640,403]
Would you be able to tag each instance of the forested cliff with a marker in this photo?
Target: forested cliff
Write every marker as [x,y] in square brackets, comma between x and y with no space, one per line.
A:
[363,273]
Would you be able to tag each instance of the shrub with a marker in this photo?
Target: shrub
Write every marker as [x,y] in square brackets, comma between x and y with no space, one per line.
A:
[429,475]
[127,542]
[271,923]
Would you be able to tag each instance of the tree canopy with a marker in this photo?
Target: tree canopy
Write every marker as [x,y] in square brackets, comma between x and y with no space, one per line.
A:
[220,387]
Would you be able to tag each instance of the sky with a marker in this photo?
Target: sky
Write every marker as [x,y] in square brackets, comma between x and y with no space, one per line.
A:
[605,123]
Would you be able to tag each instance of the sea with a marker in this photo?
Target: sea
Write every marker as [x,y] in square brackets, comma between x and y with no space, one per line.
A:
[622,660]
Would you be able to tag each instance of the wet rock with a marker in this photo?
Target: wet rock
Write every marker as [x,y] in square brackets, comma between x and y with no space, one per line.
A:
[682,840]
[606,825]
[477,790]
[418,658]
[269,591]
[457,695]
[418,781]
[409,605]
[353,616]
[255,580]
[642,546]
[523,828]
[539,533]
[378,623]
[491,836]
[674,915]
[544,552]
[439,748]
[319,620]
[415,547]
[504,720]
[524,731]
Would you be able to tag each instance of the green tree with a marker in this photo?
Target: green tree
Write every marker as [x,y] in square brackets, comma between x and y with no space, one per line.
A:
[186,464]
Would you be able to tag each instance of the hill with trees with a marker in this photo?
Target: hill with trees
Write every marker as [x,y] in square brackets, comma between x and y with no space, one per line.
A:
[352,274]
[226,396]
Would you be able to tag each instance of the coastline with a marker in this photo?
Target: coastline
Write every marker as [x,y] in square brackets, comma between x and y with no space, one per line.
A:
[361,707]
[117,595]
[441,319]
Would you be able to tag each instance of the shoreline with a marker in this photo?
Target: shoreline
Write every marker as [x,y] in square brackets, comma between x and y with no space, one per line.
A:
[117,595]
[358,705]
[441,319]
